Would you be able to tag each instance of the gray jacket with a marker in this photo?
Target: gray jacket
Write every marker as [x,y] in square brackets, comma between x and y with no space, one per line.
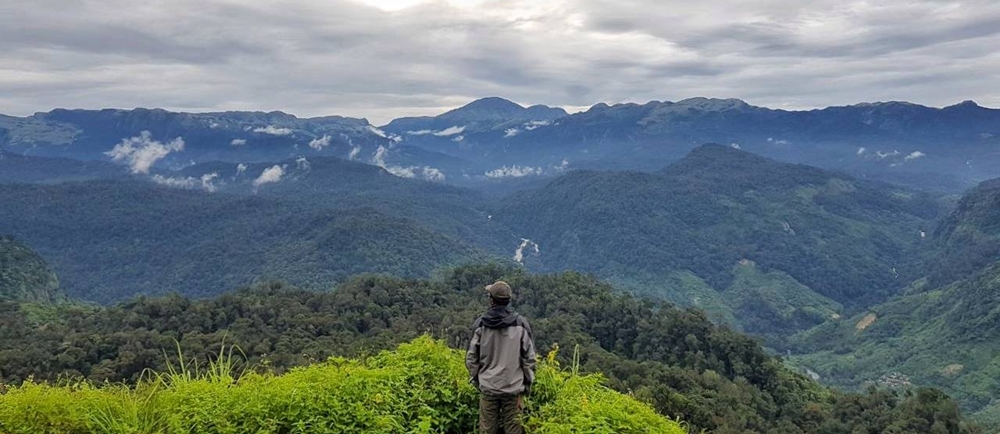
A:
[501,356]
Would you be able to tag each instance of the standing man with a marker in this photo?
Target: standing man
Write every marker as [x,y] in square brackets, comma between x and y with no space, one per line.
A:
[501,362]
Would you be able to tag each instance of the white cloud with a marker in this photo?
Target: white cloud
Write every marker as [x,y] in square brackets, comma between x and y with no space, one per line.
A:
[563,166]
[206,182]
[187,183]
[734,145]
[353,155]
[861,150]
[241,169]
[426,172]
[420,132]
[270,175]
[458,138]
[883,155]
[511,132]
[272,130]
[238,142]
[914,155]
[302,164]
[141,152]
[450,131]
[514,171]
[320,143]
[432,174]
[531,125]
[395,138]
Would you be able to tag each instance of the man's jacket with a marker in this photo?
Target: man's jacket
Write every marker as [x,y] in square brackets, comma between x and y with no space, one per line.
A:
[501,356]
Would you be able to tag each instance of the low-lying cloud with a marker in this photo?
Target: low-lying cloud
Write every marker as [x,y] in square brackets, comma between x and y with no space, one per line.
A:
[270,175]
[274,131]
[206,182]
[514,171]
[427,173]
[141,152]
[238,142]
[320,143]
[450,131]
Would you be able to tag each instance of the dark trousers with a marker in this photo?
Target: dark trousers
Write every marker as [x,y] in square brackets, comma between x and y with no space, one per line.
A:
[499,414]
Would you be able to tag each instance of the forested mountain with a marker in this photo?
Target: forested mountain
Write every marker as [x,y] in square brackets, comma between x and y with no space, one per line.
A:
[771,247]
[484,120]
[112,240]
[25,276]
[688,368]
[326,182]
[722,224]
[494,139]
[942,331]
[20,168]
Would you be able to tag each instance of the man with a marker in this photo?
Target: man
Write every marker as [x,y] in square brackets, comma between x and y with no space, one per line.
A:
[501,362]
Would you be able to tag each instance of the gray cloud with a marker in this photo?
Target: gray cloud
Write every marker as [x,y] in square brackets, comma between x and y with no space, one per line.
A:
[377,59]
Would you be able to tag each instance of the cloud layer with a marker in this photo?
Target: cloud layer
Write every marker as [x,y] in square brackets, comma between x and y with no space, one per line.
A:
[141,152]
[423,56]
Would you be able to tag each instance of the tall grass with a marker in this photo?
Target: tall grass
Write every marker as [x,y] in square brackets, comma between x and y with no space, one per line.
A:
[421,387]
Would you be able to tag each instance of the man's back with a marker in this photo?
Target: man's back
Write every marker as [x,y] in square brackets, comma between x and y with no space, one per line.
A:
[501,363]
[501,359]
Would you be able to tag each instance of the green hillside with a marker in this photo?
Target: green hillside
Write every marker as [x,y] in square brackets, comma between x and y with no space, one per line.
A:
[421,387]
[676,360]
[842,240]
[25,276]
[939,334]
[109,241]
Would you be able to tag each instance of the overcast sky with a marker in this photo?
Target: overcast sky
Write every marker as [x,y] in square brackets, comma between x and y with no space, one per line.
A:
[387,58]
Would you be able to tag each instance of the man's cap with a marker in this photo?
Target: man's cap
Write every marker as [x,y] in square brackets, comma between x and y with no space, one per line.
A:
[500,290]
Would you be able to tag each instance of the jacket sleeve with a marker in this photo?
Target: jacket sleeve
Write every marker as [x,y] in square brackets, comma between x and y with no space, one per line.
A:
[528,356]
[472,356]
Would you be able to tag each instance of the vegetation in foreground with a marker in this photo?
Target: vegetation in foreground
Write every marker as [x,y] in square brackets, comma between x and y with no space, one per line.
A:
[421,387]
[712,378]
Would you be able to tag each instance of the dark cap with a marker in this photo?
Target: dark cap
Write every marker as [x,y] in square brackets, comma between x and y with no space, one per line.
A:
[500,290]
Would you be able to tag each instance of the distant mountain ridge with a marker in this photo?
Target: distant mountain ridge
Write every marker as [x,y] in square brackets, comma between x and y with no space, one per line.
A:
[493,138]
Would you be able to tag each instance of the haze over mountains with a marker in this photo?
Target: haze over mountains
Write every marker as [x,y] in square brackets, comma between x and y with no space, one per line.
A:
[491,138]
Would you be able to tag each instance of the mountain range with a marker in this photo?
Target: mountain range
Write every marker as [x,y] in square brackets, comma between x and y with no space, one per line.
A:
[492,138]
[845,237]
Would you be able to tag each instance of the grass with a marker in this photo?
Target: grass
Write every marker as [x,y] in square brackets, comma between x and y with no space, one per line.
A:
[421,387]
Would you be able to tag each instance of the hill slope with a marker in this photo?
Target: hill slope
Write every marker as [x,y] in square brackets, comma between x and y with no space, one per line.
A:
[681,232]
[942,331]
[25,276]
[144,239]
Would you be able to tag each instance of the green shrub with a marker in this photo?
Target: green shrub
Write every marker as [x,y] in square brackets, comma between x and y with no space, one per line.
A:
[421,387]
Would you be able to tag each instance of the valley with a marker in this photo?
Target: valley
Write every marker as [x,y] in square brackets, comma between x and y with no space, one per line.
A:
[856,274]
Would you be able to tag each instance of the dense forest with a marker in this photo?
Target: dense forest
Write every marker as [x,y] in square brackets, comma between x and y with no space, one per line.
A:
[824,239]
[940,331]
[719,223]
[25,276]
[109,241]
[677,360]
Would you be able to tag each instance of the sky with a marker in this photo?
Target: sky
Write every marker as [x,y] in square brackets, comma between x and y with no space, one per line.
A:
[382,59]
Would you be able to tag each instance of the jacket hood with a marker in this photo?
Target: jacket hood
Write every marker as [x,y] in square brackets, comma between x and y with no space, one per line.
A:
[499,317]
